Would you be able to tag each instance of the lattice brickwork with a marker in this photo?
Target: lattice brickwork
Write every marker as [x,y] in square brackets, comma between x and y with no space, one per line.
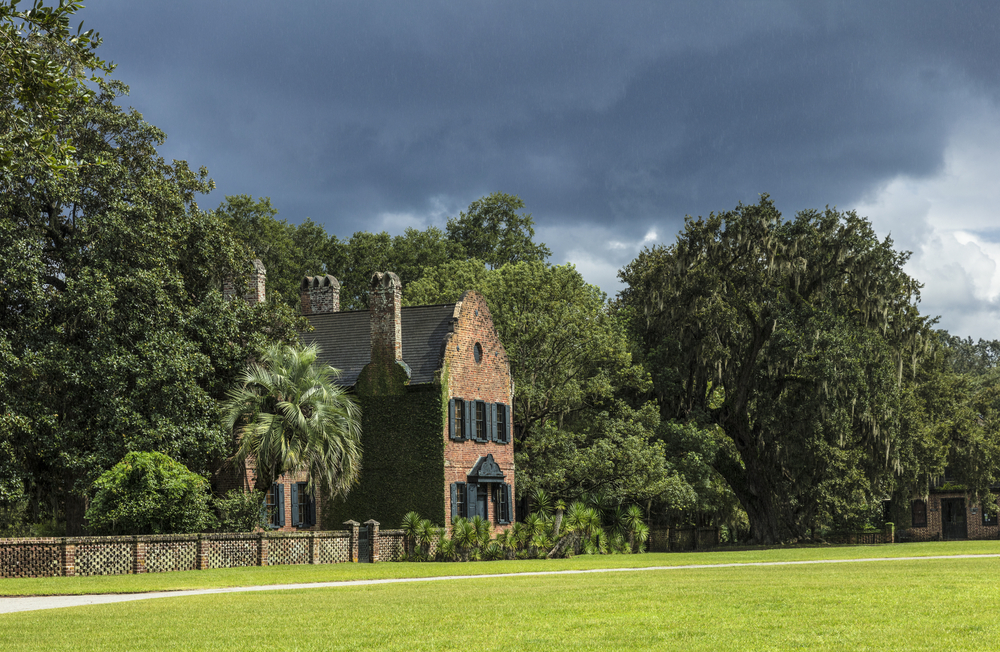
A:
[334,550]
[37,559]
[391,545]
[105,556]
[232,552]
[288,550]
[164,556]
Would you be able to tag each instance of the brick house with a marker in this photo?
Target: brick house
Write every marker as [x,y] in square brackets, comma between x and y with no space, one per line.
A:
[435,391]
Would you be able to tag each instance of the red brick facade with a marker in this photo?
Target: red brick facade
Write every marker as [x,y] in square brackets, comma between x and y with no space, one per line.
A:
[934,530]
[487,380]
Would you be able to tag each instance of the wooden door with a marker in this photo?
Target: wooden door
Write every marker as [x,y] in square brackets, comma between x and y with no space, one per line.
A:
[953,525]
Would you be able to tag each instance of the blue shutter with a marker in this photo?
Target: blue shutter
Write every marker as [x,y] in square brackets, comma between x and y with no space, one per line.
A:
[509,506]
[501,423]
[295,504]
[454,500]
[451,419]
[494,436]
[471,500]
[469,422]
[281,505]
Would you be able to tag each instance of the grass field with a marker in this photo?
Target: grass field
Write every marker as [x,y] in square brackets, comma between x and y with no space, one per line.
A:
[899,605]
[337,572]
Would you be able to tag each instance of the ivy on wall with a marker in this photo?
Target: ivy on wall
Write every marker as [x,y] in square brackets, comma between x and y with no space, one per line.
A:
[402,460]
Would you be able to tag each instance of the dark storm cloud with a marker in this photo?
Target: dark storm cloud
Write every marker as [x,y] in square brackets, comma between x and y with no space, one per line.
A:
[619,114]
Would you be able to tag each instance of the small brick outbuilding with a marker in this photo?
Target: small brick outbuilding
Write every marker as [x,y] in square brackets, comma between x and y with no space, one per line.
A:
[947,514]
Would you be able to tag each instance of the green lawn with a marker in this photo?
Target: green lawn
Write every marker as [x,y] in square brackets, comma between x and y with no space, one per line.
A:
[898,605]
[337,572]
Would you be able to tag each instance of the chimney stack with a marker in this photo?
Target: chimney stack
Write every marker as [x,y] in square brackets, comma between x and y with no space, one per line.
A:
[320,295]
[256,284]
[385,304]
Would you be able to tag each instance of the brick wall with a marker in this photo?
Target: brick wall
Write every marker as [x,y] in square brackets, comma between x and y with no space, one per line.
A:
[55,557]
[286,480]
[487,380]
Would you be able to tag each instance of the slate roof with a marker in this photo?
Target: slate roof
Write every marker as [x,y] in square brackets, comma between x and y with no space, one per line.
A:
[344,339]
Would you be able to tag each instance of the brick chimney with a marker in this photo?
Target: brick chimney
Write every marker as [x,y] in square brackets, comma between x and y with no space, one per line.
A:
[256,284]
[385,303]
[320,294]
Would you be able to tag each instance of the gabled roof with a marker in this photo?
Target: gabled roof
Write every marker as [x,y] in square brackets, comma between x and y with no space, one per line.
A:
[344,339]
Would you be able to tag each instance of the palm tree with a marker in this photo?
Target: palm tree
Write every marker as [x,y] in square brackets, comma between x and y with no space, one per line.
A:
[635,526]
[291,416]
[411,529]
[425,536]
[560,508]
[543,501]
[464,534]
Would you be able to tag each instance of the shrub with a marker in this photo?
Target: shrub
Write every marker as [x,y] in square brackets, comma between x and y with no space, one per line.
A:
[240,511]
[149,493]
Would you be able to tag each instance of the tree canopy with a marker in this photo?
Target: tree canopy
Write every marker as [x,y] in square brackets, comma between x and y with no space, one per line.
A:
[44,68]
[494,232]
[792,337]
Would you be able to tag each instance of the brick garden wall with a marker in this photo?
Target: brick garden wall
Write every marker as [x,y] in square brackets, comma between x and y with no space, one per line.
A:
[54,557]
[487,380]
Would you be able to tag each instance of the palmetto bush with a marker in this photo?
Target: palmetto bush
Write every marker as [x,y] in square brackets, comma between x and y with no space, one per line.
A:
[583,531]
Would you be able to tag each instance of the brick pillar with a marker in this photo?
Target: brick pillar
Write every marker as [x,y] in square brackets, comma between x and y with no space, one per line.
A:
[257,283]
[139,555]
[263,548]
[313,548]
[372,526]
[202,552]
[353,527]
[68,561]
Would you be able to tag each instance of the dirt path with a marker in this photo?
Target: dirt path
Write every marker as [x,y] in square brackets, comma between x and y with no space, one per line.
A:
[35,603]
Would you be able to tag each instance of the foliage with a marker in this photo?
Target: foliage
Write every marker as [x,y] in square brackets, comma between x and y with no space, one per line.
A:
[614,451]
[493,231]
[239,511]
[291,416]
[792,337]
[397,479]
[149,493]
[44,68]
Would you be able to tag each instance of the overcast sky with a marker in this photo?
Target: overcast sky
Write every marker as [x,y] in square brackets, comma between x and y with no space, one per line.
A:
[610,120]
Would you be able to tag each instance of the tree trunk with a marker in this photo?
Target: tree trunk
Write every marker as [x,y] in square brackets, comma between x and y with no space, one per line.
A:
[557,524]
[751,484]
[559,550]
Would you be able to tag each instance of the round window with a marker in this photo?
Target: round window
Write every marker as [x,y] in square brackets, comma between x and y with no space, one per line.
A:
[477,352]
